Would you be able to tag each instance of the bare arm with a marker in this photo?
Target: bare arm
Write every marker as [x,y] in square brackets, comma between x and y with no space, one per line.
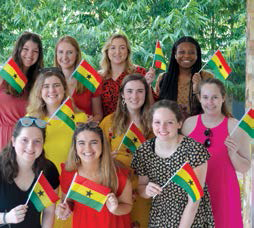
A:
[48,216]
[97,109]
[189,125]
[191,208]
[147,189]
[123,204]
[238,148]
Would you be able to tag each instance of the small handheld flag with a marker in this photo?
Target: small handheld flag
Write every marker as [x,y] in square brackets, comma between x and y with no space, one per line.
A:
[12,74]
[187,179]
[88,192]
[246,123]
[88,76]
[66,114]
[133,138]
[219,66]
[159,57]
[42,194]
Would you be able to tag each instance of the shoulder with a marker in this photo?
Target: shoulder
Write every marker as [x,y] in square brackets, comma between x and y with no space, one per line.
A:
[189,125]
[107,120]
[206,75]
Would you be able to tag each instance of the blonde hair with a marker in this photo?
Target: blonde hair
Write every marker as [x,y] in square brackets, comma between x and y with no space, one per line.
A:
[36,106]
[121,115]
[70,40]
[108,175]
[105,64]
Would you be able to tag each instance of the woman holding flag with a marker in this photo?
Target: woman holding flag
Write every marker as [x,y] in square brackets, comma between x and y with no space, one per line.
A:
[229,153]
[67,58]
[157,161]
[97,175]
[133,106]
[20,164]
[115,65]
[180,82]
[28,56]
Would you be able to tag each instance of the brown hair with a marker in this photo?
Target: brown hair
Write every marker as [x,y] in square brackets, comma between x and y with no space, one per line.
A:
[70,40]
[105,64]
[37,106]
[108,176]
[121,115]
[220,85]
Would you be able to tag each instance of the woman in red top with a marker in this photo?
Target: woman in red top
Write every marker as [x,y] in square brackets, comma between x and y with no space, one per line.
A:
[67,58]
[115,65]
[90,157]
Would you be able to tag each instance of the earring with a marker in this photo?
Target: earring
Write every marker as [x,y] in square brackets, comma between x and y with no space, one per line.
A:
[77,159]
[123,102]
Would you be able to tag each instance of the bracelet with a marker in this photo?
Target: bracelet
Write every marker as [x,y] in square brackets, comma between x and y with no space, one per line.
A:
[4,218]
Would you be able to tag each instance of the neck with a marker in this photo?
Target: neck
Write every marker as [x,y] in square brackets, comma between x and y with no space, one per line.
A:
[117,69]
[67,72]
[24,167]
[90,169]
[171,143]
[51,109]
[212,120]
[134,115]
[25,70]
[183,72]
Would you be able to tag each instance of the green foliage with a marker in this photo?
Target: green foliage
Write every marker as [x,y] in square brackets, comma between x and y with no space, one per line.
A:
[215,24]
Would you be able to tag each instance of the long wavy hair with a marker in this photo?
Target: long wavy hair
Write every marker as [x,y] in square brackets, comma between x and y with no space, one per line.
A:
[220,85]
[169,83]
[108,175]
[8,161]
[106,70]
[70,40]
[36,106]
[121,115]
[33,70]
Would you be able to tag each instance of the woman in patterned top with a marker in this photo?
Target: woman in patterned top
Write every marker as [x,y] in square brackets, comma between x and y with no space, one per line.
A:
[115,65]
[158,159]
[181,81]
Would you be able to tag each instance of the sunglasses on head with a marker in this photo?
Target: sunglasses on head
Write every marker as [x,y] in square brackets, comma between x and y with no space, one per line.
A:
[51,70]
[29,121]
[208,134]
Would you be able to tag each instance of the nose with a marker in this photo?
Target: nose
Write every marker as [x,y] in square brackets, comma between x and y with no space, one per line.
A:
[52,88]
[30,145]
[163,126]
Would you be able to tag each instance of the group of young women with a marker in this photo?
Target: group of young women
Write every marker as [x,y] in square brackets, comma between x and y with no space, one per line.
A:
[189,123]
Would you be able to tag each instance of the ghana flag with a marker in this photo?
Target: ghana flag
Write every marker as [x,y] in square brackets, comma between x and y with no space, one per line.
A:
[219,66]
[187,179]
[159,57]
[133,138]
[88,192]
[42,194]
[12,74]
[88,76]
[247,123]
[66,114]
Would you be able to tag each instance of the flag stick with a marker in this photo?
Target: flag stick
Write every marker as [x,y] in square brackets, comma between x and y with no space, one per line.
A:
[233,131]
[58,109]
[33,188]
[70,188]
[170,179]
[154,53]
[123,137]
[208,61]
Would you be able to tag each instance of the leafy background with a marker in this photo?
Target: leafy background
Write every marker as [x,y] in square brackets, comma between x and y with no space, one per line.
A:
[215,24]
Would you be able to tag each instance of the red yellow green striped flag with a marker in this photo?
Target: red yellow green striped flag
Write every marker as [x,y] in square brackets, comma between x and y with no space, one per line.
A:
[187,179]
[42,194]
[133,138]
[159,57]
[247,123]
[12,74]
[219,66]
[88,76]
[66,114]
[88,192]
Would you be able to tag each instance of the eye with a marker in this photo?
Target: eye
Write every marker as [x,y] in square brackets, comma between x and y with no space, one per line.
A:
[94,142]
[24,140]
[69,52]
[56,85]
[38,142]
[45,86]
[25,49]
[112,47]
[36,51]
[80,143]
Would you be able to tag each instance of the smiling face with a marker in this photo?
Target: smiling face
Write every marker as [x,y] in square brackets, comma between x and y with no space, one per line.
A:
[29,54]
[165,125]
[88,146]
[118,51]
[186,55]
[52,91]
[134,95]
[211,99]
[66,55]
[28,144]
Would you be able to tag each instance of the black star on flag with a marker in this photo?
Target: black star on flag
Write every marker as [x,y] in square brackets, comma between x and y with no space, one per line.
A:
[220,66]
[89,77]
[89,193]
[190,182]
[15,76]
[72,117]
[40,193]
[135,140]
